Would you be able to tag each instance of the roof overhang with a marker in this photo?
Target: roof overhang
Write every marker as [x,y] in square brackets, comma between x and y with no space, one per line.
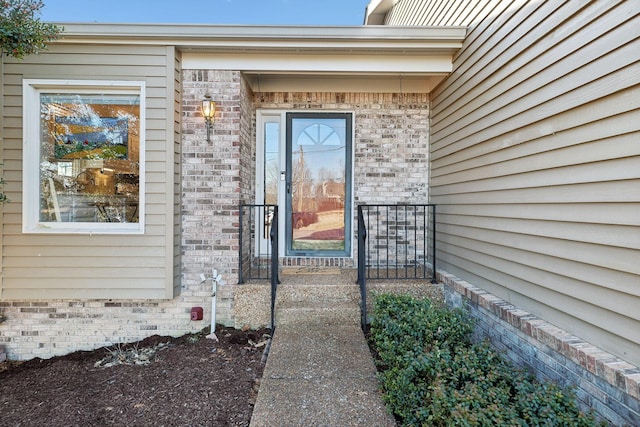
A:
[279,58]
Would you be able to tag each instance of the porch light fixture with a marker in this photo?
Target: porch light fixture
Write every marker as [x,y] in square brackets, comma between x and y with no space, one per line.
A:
[208,108]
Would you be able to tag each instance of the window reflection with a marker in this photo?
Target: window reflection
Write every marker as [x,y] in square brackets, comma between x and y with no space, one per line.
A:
[318,190]
[89,158]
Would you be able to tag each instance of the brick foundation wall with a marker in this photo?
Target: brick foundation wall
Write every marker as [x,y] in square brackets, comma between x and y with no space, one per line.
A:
[49,328]
[603,383]
[318,262]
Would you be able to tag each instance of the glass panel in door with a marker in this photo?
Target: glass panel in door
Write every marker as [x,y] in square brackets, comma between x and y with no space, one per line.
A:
[268,166]
[318,184]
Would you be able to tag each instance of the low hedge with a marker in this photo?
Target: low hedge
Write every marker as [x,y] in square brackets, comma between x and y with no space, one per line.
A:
[433,375]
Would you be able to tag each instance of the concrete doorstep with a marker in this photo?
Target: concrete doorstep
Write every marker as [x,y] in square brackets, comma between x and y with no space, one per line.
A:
[319,371]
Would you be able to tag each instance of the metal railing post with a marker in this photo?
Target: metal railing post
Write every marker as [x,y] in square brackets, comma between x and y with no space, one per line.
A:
[273,235]
[433,243]
[240,266]
[362,276]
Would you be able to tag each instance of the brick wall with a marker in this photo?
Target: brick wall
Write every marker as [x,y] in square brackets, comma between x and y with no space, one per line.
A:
[390,164]
[247,144]
[391,147]
[602,382]
[48,328]
[216,176]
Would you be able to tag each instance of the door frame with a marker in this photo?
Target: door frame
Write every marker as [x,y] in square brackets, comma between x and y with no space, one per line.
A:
[348,174]
[280,116]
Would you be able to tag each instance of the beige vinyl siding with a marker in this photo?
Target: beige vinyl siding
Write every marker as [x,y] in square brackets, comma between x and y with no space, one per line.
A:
[438,12]
[174,91]
[122,266]
[535,148]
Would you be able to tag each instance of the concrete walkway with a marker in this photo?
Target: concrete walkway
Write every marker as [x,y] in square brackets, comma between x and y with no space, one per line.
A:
[319,371]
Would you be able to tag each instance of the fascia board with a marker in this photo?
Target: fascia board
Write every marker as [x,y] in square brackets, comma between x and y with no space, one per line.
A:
[221,37]
[331,63]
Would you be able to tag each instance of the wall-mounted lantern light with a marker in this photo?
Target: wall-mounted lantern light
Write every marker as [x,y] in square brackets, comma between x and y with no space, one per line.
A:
[208,108]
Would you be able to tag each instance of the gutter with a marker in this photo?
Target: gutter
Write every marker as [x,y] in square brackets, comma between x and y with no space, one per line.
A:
[302,38]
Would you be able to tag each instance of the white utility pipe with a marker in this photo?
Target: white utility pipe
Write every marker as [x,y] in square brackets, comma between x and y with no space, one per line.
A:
[214,297]
[215,279]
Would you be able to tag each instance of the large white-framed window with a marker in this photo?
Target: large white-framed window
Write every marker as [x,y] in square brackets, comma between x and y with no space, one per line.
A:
[83,156]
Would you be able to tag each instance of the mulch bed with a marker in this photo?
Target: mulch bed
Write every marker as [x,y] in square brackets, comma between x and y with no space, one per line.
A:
[161,381]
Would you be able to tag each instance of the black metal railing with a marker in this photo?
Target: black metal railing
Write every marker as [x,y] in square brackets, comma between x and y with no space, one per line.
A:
[274,267]
[395,242]
[362,271]
[258,247]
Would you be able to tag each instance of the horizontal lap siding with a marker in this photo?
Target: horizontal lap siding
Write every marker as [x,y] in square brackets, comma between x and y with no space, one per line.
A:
[95,266]
[437,12]
[174,247]
[535,151]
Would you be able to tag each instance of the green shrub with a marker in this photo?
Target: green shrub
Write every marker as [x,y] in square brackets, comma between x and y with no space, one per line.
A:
[404,327]
[432,375]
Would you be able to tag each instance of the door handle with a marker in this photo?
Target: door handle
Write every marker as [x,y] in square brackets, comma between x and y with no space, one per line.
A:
[288,188]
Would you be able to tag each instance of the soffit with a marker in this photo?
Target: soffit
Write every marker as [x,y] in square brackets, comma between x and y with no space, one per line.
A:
[358,83]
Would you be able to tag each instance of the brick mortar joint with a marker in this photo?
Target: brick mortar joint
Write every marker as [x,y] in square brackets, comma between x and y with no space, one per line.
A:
[568,345]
